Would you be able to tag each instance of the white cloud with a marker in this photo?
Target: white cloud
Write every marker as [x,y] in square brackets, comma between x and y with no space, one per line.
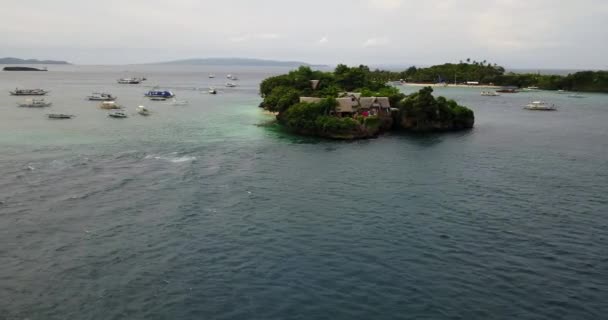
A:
[269,36]
[376,42]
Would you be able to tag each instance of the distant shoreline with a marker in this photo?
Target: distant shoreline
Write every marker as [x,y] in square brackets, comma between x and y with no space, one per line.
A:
[435,85]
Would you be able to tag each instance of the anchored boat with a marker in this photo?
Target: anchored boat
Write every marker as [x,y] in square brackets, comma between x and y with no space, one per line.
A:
[540,106]
[60,116]
[131,80]
[117,114]
[28,92]
[165,94]
[101,96]
[34,103]
[109,105]
[489,94]
[143,111]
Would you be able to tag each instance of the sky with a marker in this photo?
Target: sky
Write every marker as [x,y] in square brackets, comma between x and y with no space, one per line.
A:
[512,33]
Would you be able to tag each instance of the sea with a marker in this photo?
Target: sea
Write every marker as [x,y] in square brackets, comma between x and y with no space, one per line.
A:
[206,210]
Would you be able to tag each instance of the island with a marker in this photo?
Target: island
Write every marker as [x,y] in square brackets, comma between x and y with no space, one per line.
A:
[242,62]
[10,60]
[469,72]
[350,103]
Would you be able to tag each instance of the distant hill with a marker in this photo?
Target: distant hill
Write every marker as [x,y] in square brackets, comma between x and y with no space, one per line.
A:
[10,60]
[237,62]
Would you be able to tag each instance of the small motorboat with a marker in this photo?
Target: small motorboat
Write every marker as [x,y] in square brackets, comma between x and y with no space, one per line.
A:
[131,80]
[34,103]
[143,111]
[489,94]
[60,116]
[159,94]
[532,89]
[28,92]
[101,96]
[230,85]
[212,91]
[540,106]
[211,76]
[576,95]
[117,114]
[109,105]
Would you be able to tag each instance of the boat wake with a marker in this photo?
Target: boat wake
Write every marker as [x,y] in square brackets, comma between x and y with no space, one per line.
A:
[172,157]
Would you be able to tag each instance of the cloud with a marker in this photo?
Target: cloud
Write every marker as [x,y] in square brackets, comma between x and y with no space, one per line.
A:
[385,4]
[323,40]
[268,36]
[376,42]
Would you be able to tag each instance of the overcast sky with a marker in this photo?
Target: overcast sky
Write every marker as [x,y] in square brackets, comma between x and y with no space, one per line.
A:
[513,33]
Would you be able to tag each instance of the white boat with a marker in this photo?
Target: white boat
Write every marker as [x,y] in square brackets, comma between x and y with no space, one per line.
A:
[131,80]
[109,105]
[230,85]
[489,94]
[60,116]
[531,89]
[101,96]
[28,92]
[117,114]
[211,76]
[34,103]
[576,95]
[562,92]
[540,106]
[212,91]
[143,111]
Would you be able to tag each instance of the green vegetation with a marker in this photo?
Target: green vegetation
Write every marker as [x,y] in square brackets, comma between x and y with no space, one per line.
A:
[422,112]
[491,74]
[282,94]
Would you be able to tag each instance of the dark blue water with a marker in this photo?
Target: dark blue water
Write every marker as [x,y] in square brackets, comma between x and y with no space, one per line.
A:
[200,212]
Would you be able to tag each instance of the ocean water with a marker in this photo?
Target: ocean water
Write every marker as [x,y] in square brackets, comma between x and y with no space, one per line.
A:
[202,211]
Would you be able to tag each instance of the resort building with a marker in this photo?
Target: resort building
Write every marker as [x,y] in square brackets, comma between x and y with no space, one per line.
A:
[351,103]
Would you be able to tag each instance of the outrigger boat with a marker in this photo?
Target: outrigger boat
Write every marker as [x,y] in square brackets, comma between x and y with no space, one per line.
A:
[117,114]
[28,92]
[131,80]
[34,103]
[60,116]
[101,96]
[159,94]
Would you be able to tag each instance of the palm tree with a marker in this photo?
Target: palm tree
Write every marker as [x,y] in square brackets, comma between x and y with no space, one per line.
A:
[468,60]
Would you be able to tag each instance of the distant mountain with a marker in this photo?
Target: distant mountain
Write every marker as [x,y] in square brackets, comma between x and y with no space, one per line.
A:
[237,62]
[10,60]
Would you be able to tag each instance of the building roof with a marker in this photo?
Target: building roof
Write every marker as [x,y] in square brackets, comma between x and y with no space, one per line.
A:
[375,102]
[346,104]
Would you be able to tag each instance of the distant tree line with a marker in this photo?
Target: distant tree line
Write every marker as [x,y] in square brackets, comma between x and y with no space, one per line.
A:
[492,74]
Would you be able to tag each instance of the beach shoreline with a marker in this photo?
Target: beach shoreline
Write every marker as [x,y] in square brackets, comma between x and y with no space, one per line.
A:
[434,85]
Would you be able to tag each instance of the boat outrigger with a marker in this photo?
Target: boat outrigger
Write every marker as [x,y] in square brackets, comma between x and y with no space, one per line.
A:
[28,92]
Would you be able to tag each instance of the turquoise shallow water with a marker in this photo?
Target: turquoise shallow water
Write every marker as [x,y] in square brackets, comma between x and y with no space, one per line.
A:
[199,212]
